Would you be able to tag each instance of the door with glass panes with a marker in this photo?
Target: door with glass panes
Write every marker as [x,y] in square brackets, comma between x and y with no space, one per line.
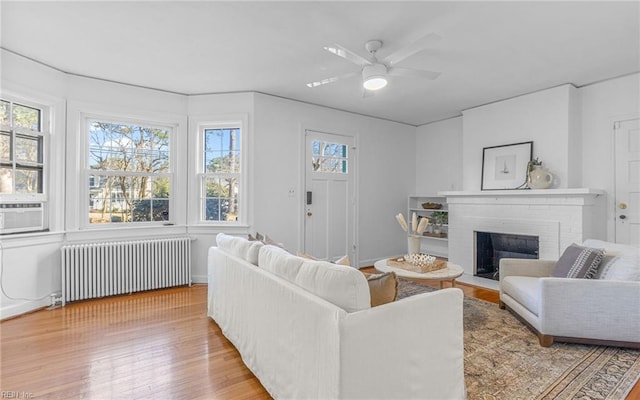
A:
[329,218]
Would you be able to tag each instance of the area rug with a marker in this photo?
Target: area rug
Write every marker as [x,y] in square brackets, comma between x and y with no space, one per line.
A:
[503,360]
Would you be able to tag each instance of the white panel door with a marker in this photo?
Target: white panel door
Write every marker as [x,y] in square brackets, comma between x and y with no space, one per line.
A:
[627,171]
[329,198]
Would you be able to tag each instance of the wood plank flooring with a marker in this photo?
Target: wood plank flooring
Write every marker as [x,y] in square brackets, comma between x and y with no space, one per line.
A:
[151,345]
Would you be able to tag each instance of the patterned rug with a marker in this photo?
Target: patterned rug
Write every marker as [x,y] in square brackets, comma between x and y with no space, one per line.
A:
[503,360]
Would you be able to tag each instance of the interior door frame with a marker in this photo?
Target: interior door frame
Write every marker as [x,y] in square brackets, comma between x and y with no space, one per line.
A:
[612,201]
[354,160]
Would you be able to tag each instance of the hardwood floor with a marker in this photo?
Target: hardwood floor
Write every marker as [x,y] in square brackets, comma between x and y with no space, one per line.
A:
[151,345]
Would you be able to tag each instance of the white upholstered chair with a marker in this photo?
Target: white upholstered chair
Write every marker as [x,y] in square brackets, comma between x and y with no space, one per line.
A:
[603,310]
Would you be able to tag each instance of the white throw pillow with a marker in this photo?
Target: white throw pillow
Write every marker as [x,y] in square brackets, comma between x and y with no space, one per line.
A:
[621,262]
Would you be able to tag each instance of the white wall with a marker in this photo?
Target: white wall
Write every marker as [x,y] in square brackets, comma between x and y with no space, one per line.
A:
[385,162]
[543,117]
[601,105]
[583,157]
[439,157]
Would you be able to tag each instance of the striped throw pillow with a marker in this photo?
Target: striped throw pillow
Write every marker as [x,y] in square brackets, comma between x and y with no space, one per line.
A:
[578,262]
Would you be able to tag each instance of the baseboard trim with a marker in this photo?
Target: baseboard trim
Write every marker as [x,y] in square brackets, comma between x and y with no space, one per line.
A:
[15,310]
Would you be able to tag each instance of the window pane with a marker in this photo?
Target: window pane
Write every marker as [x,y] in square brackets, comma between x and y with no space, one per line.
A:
[128,199]
[329,157]
[26,117]
[151,200]
[6,180]
[127,147]
[28,149]
[222,150]
[5,145]
[4,113]
[222,163]
[28,180]
[160,209]
[330,165]
[221,202]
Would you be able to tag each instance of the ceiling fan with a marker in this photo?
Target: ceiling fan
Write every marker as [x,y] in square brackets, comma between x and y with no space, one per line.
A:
[375,72]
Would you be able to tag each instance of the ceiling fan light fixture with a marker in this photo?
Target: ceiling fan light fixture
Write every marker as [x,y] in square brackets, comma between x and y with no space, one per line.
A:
[374,77]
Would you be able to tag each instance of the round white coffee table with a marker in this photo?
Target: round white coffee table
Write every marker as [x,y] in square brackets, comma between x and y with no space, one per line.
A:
[450,273]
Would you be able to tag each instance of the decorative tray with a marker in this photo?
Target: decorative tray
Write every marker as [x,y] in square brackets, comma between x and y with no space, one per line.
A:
[436,235]
[401,263]
[431,206]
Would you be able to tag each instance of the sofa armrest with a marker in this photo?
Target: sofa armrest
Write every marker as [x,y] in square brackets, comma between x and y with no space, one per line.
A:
[410,348]
[592,308]
[526,267]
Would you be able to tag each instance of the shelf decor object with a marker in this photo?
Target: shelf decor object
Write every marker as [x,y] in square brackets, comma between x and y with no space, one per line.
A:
[506,166]
[538,177]
[418,226]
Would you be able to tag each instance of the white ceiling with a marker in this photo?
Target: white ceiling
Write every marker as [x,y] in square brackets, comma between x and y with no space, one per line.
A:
[489,50]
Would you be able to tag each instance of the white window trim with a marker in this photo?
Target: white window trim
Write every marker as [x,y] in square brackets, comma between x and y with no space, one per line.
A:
[197,125]
[84,171]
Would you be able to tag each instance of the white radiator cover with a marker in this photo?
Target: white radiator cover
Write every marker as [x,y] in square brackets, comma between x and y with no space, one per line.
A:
[91,270]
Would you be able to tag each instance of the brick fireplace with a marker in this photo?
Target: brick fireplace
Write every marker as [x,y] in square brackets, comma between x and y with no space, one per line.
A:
[557,217]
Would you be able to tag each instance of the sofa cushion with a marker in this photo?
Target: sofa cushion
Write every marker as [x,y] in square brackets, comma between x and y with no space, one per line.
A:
[239,247]
[343,286]
[578,262]
[523,289]
[383,288]
[620,263]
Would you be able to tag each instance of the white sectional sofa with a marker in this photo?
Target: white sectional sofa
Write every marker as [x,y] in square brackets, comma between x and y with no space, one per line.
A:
[307,331]
[603,310]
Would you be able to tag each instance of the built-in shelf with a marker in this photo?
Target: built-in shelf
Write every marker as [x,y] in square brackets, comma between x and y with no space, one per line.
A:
[434,245]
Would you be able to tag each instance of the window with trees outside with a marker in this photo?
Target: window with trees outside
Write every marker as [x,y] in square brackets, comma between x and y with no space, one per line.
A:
[22,141]
[129,172]
[220,173]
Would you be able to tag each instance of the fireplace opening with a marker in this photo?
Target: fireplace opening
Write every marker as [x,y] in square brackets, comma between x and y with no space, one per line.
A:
[491,247]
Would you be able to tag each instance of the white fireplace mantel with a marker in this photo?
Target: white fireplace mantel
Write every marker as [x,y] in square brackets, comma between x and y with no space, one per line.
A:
[558,217]
[526,193]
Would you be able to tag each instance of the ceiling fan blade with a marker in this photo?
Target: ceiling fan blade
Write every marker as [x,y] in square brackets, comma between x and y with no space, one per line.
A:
[414,73]
[331,80]
[415,47]
[347,54]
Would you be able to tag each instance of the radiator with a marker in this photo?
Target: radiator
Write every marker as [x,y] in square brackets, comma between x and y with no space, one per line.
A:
[91,270]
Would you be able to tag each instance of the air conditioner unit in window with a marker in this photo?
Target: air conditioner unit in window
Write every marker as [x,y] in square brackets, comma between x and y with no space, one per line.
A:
[21,217]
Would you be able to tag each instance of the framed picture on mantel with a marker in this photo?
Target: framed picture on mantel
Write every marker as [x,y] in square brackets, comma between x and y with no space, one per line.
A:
[505,167]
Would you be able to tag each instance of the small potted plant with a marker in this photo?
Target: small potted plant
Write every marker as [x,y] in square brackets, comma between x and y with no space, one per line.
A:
[439,218]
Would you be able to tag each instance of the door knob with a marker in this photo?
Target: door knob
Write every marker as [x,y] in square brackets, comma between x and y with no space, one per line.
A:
[622,206]
[309,214]
[623,217]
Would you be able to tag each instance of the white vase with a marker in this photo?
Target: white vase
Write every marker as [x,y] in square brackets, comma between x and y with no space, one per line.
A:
[413,244]
[540,178]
